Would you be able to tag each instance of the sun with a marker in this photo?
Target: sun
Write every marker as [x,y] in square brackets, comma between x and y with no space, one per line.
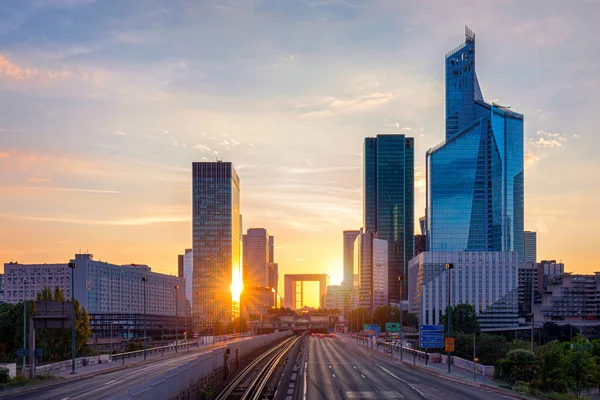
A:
[236,289]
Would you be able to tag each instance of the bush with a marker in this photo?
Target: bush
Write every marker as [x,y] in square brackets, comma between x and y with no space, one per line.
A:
[519,365]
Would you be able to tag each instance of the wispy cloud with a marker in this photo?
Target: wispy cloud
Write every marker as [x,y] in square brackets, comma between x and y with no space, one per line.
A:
[4,154]
[120,133]
[38,180]
[548,139]
[98,191]
[139,221]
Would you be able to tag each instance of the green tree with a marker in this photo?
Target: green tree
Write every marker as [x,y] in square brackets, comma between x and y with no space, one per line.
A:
[581,365]
[384,314]
[553,364]
[464,319]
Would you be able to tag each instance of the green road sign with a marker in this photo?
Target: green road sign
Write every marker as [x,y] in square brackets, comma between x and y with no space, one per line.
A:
[392,327]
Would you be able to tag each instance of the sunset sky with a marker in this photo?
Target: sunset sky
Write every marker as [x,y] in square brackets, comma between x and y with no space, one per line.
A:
[104,106]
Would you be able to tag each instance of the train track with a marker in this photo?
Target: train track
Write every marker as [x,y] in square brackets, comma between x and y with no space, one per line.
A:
[251,382]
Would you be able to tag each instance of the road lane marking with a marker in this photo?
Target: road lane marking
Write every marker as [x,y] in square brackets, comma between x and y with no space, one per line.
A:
[333,375]
[413,387]
[108,383]
[354,366]
[362,376]
[305,373]
[330,367]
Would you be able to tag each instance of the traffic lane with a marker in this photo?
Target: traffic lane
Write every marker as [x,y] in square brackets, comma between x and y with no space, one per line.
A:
[111,383]
[428,386]
[337,373]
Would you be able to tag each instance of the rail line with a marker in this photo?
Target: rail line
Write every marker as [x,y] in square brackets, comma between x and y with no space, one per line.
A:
[259,381]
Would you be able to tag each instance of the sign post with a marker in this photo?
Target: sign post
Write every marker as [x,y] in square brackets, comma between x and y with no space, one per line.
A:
[431,336]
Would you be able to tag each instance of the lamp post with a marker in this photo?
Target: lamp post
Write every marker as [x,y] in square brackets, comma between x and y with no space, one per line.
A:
[123,345]
[145,280]
[532,310]
[449,266]
[111,337]
[73,266]
[24,322]
[162,340]
[176,315]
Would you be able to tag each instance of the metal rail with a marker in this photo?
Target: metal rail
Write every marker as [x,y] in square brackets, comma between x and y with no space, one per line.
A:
[276,352]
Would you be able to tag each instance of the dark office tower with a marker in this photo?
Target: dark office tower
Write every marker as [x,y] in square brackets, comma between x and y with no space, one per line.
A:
[530,239]
[475,177]
[389,202]
[216,241]
[256,257]
[271,249]
[349,238]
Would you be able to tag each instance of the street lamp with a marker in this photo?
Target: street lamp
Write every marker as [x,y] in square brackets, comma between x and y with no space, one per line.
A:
[24,321]
[449,266]
[162,339]
[123,344]
[73,266]
[145,280]
[176,316]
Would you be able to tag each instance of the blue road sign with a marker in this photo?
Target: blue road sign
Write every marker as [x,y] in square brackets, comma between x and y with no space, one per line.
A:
[432,339]
[376,328]
[431,328]
[428,345]
[22,353]
[38,353]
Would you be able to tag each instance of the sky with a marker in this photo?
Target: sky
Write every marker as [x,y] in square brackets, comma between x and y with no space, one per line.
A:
[105,104]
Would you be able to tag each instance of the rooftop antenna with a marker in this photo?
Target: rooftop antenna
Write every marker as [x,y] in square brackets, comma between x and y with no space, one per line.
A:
[219,159]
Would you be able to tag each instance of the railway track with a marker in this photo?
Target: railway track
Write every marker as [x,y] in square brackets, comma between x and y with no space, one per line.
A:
[251,382]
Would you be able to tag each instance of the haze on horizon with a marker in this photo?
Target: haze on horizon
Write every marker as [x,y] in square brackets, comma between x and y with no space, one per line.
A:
[106,104]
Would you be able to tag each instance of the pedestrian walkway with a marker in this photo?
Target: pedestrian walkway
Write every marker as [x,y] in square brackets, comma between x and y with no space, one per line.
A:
[410,356]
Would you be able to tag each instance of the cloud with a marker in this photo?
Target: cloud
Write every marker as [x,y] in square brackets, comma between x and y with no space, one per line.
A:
[139,221]
[13,71]
[99,191]
[202,148]
[548,139]
[530,158]
[4,155]
[121,133]
[38,180]
[329,106]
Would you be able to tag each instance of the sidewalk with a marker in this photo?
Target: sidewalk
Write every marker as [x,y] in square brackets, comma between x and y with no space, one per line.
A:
[439,368]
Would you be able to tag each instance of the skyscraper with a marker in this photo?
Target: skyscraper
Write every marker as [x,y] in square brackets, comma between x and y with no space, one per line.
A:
[530,240]
[349,238]
[475,177]
[256,257]
[389,202]
[216,241]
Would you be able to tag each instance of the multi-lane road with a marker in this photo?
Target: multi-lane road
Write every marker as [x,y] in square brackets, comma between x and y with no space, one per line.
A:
[337,368]
[112,383]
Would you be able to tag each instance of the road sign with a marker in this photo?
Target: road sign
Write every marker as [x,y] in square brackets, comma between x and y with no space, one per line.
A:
[392,327]
[22,353]
[431,328]
[431,336]
[38,353]
[449,345]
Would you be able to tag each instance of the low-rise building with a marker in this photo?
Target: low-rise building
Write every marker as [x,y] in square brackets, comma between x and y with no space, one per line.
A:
[487,280]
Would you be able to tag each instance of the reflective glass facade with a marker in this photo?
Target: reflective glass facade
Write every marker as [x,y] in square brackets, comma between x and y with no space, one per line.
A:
[475,177]
[389,202]
[216,241]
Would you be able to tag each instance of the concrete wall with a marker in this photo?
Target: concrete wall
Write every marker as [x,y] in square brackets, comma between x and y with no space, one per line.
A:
[183,377]
[12,369]
[480,369]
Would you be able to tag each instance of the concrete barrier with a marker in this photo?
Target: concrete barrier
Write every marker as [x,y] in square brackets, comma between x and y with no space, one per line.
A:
[12,369]
[480,369]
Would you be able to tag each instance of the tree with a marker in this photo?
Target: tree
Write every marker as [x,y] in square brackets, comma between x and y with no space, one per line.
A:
[358,317]
[384,314]
[464,319]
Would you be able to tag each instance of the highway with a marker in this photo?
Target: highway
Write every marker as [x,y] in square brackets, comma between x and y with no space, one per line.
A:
[337,368]
[112,383]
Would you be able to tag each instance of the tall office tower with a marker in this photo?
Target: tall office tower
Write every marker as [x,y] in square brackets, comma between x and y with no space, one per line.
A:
[256,257]
[349,238]
[371,257]
[389,202]
[475,177]
[530,244]
[216,241]
[271,249]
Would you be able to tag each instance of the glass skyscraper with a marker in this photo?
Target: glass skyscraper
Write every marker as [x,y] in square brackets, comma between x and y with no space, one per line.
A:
[389,202]
[475,176]
[216,241]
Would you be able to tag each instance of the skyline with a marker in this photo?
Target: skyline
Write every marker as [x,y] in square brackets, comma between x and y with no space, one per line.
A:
[119,187]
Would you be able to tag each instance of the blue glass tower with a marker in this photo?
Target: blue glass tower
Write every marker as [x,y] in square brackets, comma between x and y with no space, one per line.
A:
[389,203]
[475,189]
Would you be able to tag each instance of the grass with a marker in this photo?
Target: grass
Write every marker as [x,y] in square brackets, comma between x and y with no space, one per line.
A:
[22,381]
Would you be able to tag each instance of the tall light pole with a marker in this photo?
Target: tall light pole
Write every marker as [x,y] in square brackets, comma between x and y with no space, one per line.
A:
[162,339]
[73,266]
[111,337]
[400,279]
[24,322]
[532,312]
[176,316]
[449,267]
[145,280]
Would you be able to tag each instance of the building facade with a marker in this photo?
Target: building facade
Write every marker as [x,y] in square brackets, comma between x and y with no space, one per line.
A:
[572,299]
[25,281]
[528,290]
[547,270]
[256,257]
[371,257]
[389,201]
[475,189]
[333,298]
[530,246]
[216,242]
[349,239]
[487,280]
[188,275]
[1,288]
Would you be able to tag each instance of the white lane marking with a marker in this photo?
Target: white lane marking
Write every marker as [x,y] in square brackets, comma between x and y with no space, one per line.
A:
[330,367]
[305,373]
[362,376]
[333,375]
[402,380]
[66,398]
[108,383]
[354,366]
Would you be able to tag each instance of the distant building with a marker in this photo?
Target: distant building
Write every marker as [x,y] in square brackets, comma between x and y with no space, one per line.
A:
[188,275]
[349,238]
[528,290]
[260,274]
[420,244]
[487,280]
[371,257]
[548,269]
[1,288]
[389,173]
[572,299]
[216,242]
[332,297]
[530,240]
[112,294]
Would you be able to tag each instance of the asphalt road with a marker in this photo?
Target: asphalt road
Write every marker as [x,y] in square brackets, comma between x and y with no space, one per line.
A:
[111,383]
[339,369]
